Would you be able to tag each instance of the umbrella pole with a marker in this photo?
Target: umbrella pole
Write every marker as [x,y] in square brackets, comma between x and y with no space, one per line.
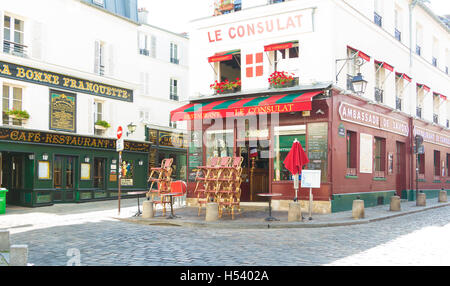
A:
[296,183]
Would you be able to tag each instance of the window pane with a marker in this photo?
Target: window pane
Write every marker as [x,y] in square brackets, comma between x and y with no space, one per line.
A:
[18,25]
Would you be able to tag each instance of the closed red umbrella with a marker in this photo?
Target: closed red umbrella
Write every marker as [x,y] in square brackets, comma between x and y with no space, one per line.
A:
[295,160]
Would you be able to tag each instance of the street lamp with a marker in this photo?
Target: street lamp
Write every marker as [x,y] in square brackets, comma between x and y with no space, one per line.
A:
[359,84]
[131,128]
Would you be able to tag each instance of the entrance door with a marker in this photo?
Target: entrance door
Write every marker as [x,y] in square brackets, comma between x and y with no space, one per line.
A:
[255,173]
[400,167]
[64,179]
[99,173]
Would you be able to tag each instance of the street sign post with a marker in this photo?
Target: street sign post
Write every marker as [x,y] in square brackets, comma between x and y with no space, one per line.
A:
[120,146]
[311,179]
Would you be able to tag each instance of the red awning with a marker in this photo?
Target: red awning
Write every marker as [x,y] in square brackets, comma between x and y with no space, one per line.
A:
[360,54]
[224,56]
[223,108]
[404,76]
[385,65]
[421,85]
[443,97]
[280,46]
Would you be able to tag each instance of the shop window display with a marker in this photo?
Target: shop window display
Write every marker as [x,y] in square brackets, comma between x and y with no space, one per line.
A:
[284,138]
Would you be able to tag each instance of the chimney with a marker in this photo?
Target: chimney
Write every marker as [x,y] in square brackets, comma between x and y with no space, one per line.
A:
[143,16]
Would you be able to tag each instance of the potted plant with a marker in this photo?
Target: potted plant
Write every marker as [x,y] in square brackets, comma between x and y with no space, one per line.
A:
[226,86]
[18,114]
[102,125]
[281,79]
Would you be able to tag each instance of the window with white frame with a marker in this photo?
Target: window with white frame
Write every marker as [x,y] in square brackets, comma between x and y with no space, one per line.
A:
[98,117]
[145,83]
[11,100]
[144,48]
[99,2]
[419,39]
[353,64]
[153,46]
[172,124]
[435,56]
[398,23]
[286,59]
[99,64]
[399,86]
[13,36]
[378,13]
[174,89]
[174,53]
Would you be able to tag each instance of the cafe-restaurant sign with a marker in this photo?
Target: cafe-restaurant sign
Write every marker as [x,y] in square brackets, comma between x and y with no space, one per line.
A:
[361,116]
[67,140]
[432,137]
[55,80]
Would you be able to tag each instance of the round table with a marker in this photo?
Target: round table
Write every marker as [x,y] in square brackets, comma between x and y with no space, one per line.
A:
[171,195]
[137,193]
[270,196]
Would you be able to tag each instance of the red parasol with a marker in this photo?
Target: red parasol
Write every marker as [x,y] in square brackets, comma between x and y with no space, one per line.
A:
[296,159]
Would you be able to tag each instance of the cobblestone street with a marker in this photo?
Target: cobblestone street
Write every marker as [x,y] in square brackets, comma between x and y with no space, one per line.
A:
[96,239]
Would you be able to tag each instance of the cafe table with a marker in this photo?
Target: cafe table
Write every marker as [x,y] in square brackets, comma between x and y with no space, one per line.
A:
[270,196]
[171,195]
[138,194]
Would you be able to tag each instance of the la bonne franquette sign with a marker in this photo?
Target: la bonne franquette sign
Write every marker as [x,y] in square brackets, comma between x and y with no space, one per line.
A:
[300,21]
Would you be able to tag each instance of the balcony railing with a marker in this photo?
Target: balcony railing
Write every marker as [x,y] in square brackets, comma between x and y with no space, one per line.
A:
[378,95]
[398,35]
[398,103]
[419,112]
[144,52]
[275,1]
[174,97]
[418,50]
[14,48]
[101,70]
[174,61]
[377,19]
[435,118]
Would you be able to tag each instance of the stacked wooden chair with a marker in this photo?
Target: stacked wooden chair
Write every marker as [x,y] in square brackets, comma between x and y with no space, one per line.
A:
[204,184]
[162,176]
[229,187]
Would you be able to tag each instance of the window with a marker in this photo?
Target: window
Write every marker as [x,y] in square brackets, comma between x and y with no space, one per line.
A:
[448,165]
[172,124]
[436,101]
[143,44]
[284,138]
[99,173]
[153,43]
[380,157]
[99,65]
[353,66]
[11,99]
[13,36]
[421,158]
[351,153]
[99,2]
[398,23]
[419,39]
[98,116]
[398,92]
[219,143]
[435,56]
[174,89]
[437,160]
[419,100]
[379,81]
[377,13]
[145,83]
[174,53]
[283,59]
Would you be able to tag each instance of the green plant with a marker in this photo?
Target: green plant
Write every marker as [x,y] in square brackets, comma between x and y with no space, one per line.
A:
[19,114]
[103,123]
[219,87]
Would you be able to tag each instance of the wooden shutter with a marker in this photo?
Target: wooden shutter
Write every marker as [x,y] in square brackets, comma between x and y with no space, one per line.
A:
[153,40]
[97,58]
[111,60]
[36,45]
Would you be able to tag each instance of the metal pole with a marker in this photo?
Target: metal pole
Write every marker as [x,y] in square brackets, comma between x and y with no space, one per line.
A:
[120,176]
[310,203]
[417,173]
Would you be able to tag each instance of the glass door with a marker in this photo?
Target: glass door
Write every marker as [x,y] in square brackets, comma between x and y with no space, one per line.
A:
[64,178]
[99,173]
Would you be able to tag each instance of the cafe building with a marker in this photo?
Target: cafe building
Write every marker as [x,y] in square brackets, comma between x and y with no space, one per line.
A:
[351,104]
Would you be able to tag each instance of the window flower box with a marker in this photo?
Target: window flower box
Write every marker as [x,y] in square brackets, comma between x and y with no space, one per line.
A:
[282,79]
[18,114]
[102,125]
[226,86]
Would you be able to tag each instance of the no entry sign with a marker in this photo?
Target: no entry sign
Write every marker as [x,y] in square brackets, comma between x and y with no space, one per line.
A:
[119,132]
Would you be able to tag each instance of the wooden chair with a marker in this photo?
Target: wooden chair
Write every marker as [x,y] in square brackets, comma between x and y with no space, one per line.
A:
[203,184]
[163,180]
[229,195]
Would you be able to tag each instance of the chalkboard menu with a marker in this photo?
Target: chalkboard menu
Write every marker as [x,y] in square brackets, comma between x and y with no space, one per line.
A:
[63,109]
[195,153]
[318,147]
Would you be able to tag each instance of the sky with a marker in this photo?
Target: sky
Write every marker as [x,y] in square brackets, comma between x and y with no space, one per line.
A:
[174,15]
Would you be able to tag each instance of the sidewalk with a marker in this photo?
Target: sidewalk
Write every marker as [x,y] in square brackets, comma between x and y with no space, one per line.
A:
[253,217]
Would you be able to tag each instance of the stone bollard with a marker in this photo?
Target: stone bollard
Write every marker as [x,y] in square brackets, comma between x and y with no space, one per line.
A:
[4,241]
[442,197]
[147,209]
[295,212]
[358,209]
[212,212]
[18,255]
[395,204]
[421,200]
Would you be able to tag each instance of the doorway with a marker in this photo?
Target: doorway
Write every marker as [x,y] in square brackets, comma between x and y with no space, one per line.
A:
[16,175]
[255,170]
[64,179]
[99,173]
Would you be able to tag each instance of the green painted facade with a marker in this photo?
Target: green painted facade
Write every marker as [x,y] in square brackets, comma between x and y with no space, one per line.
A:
[34,192]
[410,195]
[344,202]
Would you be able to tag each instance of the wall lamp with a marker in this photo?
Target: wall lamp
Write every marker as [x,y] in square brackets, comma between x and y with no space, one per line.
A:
[131,128]
[45,156]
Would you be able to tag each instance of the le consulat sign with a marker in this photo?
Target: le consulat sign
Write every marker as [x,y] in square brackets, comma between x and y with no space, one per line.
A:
[60,81]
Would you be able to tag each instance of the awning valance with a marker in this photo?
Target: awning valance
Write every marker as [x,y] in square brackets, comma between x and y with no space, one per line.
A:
[279,46]
[425,87]
[224,56]
[385,65]
[245,106]
[404,76]
[362,55]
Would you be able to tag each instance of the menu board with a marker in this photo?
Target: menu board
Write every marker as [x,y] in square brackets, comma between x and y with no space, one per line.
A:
[317,136]
[195,153]
[63,109]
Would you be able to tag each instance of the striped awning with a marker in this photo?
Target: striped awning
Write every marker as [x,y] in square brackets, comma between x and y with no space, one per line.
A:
[245,106]
[403,75]
[385,65]
[279,46]
[362,55]
[224,56]
[425,87]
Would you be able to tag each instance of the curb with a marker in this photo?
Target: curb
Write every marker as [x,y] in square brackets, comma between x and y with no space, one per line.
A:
[265,225]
